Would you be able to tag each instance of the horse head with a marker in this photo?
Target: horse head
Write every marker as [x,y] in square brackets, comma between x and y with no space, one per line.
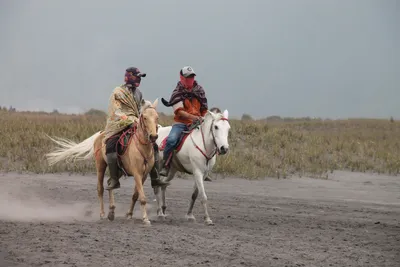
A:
[149,119]
[219,128]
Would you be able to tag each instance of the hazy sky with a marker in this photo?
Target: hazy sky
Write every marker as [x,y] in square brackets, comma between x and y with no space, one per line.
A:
[331,58]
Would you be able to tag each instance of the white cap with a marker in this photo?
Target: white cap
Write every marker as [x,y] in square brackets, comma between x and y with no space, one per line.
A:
[187,70]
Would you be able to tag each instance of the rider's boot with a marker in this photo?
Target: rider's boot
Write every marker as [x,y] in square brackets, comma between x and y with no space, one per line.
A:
[154,175]
[165,169]
[113,181]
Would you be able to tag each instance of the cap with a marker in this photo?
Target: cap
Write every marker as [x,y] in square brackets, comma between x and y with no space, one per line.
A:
[187,71]
[136,72]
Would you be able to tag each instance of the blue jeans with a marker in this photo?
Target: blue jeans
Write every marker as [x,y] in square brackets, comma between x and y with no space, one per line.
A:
[173,139]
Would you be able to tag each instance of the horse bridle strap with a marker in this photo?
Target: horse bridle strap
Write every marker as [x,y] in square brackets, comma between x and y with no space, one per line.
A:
[144,131]
[204,144]
[212,133]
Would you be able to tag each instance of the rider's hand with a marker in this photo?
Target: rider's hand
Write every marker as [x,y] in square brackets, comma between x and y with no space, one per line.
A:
[124,117]
[198,118]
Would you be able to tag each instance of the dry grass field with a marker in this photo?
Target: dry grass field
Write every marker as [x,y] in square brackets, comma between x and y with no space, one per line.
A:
[349,219]
[258,148]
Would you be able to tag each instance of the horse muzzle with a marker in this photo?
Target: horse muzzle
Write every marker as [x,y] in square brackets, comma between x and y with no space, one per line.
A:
[153,137]
[223,150]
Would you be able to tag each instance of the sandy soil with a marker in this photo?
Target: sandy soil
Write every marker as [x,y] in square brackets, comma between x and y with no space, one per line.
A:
[348,220]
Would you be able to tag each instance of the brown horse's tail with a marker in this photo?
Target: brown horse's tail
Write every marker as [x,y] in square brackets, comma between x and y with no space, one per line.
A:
[69,150]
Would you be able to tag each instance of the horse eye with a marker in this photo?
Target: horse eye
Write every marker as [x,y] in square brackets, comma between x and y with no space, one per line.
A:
[216,127]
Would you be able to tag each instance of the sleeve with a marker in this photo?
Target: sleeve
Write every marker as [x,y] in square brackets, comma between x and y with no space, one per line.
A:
[117,105]
[203,111]
[204,105]
[177,107]
[140,96]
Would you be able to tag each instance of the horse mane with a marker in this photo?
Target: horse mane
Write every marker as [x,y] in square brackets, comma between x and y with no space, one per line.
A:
[218,115]
[215,110]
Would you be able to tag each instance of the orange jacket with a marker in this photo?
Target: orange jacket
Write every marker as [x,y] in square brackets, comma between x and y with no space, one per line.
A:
[192,106]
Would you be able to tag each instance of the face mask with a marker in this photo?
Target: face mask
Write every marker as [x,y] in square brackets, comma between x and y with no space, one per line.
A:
[187,82]
[133,80]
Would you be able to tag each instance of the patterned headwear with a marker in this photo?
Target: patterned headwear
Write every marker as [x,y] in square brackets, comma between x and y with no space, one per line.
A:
[133,76]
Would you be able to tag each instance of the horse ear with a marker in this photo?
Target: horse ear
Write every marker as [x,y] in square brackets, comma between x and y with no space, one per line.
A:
[143,102]
[155,103]
[210,113]
[226,114]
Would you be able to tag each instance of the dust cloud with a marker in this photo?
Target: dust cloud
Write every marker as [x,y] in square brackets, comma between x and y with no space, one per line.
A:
[15,205]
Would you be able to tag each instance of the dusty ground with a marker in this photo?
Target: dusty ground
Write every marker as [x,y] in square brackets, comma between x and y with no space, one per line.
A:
[348,220]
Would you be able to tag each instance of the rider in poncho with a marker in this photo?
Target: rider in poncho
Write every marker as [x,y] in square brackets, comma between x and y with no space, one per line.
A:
[190,104]
[123,111]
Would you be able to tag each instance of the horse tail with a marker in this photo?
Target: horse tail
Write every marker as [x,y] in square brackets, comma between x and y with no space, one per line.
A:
[69,150]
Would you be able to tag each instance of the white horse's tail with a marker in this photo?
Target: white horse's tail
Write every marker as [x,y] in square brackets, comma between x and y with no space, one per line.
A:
[69,150]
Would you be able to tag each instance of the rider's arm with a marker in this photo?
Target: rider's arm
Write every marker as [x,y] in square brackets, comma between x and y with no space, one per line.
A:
[180,111]
[203,111]
[118,108]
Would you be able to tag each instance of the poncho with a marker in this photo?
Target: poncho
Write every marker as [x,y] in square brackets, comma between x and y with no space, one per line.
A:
[124,100]
[180,94]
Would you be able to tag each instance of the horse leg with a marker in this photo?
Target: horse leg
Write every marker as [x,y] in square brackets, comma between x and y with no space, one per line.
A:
[198,176]
[142,197]
[171,175]
[135,197]
[101,167]
[189,215]
[111,210]
[157,193]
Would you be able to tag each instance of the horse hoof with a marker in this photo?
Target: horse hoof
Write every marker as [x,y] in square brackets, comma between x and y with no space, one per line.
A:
[111,216]
[102,216]
[190,218]
[209,222]
[146,222]
[129,216]
[161,217]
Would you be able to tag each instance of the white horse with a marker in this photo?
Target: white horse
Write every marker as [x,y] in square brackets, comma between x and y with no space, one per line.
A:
[195,157]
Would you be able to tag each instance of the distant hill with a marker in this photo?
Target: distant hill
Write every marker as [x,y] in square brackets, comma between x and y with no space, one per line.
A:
[96,112]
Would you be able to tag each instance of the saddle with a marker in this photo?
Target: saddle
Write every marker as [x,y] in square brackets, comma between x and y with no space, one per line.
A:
[124,140]
[182,138]
[121,142]
[180,143]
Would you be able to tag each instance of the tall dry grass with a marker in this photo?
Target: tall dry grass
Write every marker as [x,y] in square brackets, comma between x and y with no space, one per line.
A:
[258,149]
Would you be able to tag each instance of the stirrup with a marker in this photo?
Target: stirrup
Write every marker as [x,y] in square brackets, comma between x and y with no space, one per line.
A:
[113,185]
[159,182]
[164,171]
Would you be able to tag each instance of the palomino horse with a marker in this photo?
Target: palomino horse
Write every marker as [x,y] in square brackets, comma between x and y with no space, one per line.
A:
[194,157]
[137,160]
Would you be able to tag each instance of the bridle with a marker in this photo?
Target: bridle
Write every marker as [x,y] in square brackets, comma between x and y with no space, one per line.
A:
[215,151]
[143,130]
[145,133]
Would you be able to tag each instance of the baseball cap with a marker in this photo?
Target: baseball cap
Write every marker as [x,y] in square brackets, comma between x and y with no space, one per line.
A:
[136,72]
[187,71]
